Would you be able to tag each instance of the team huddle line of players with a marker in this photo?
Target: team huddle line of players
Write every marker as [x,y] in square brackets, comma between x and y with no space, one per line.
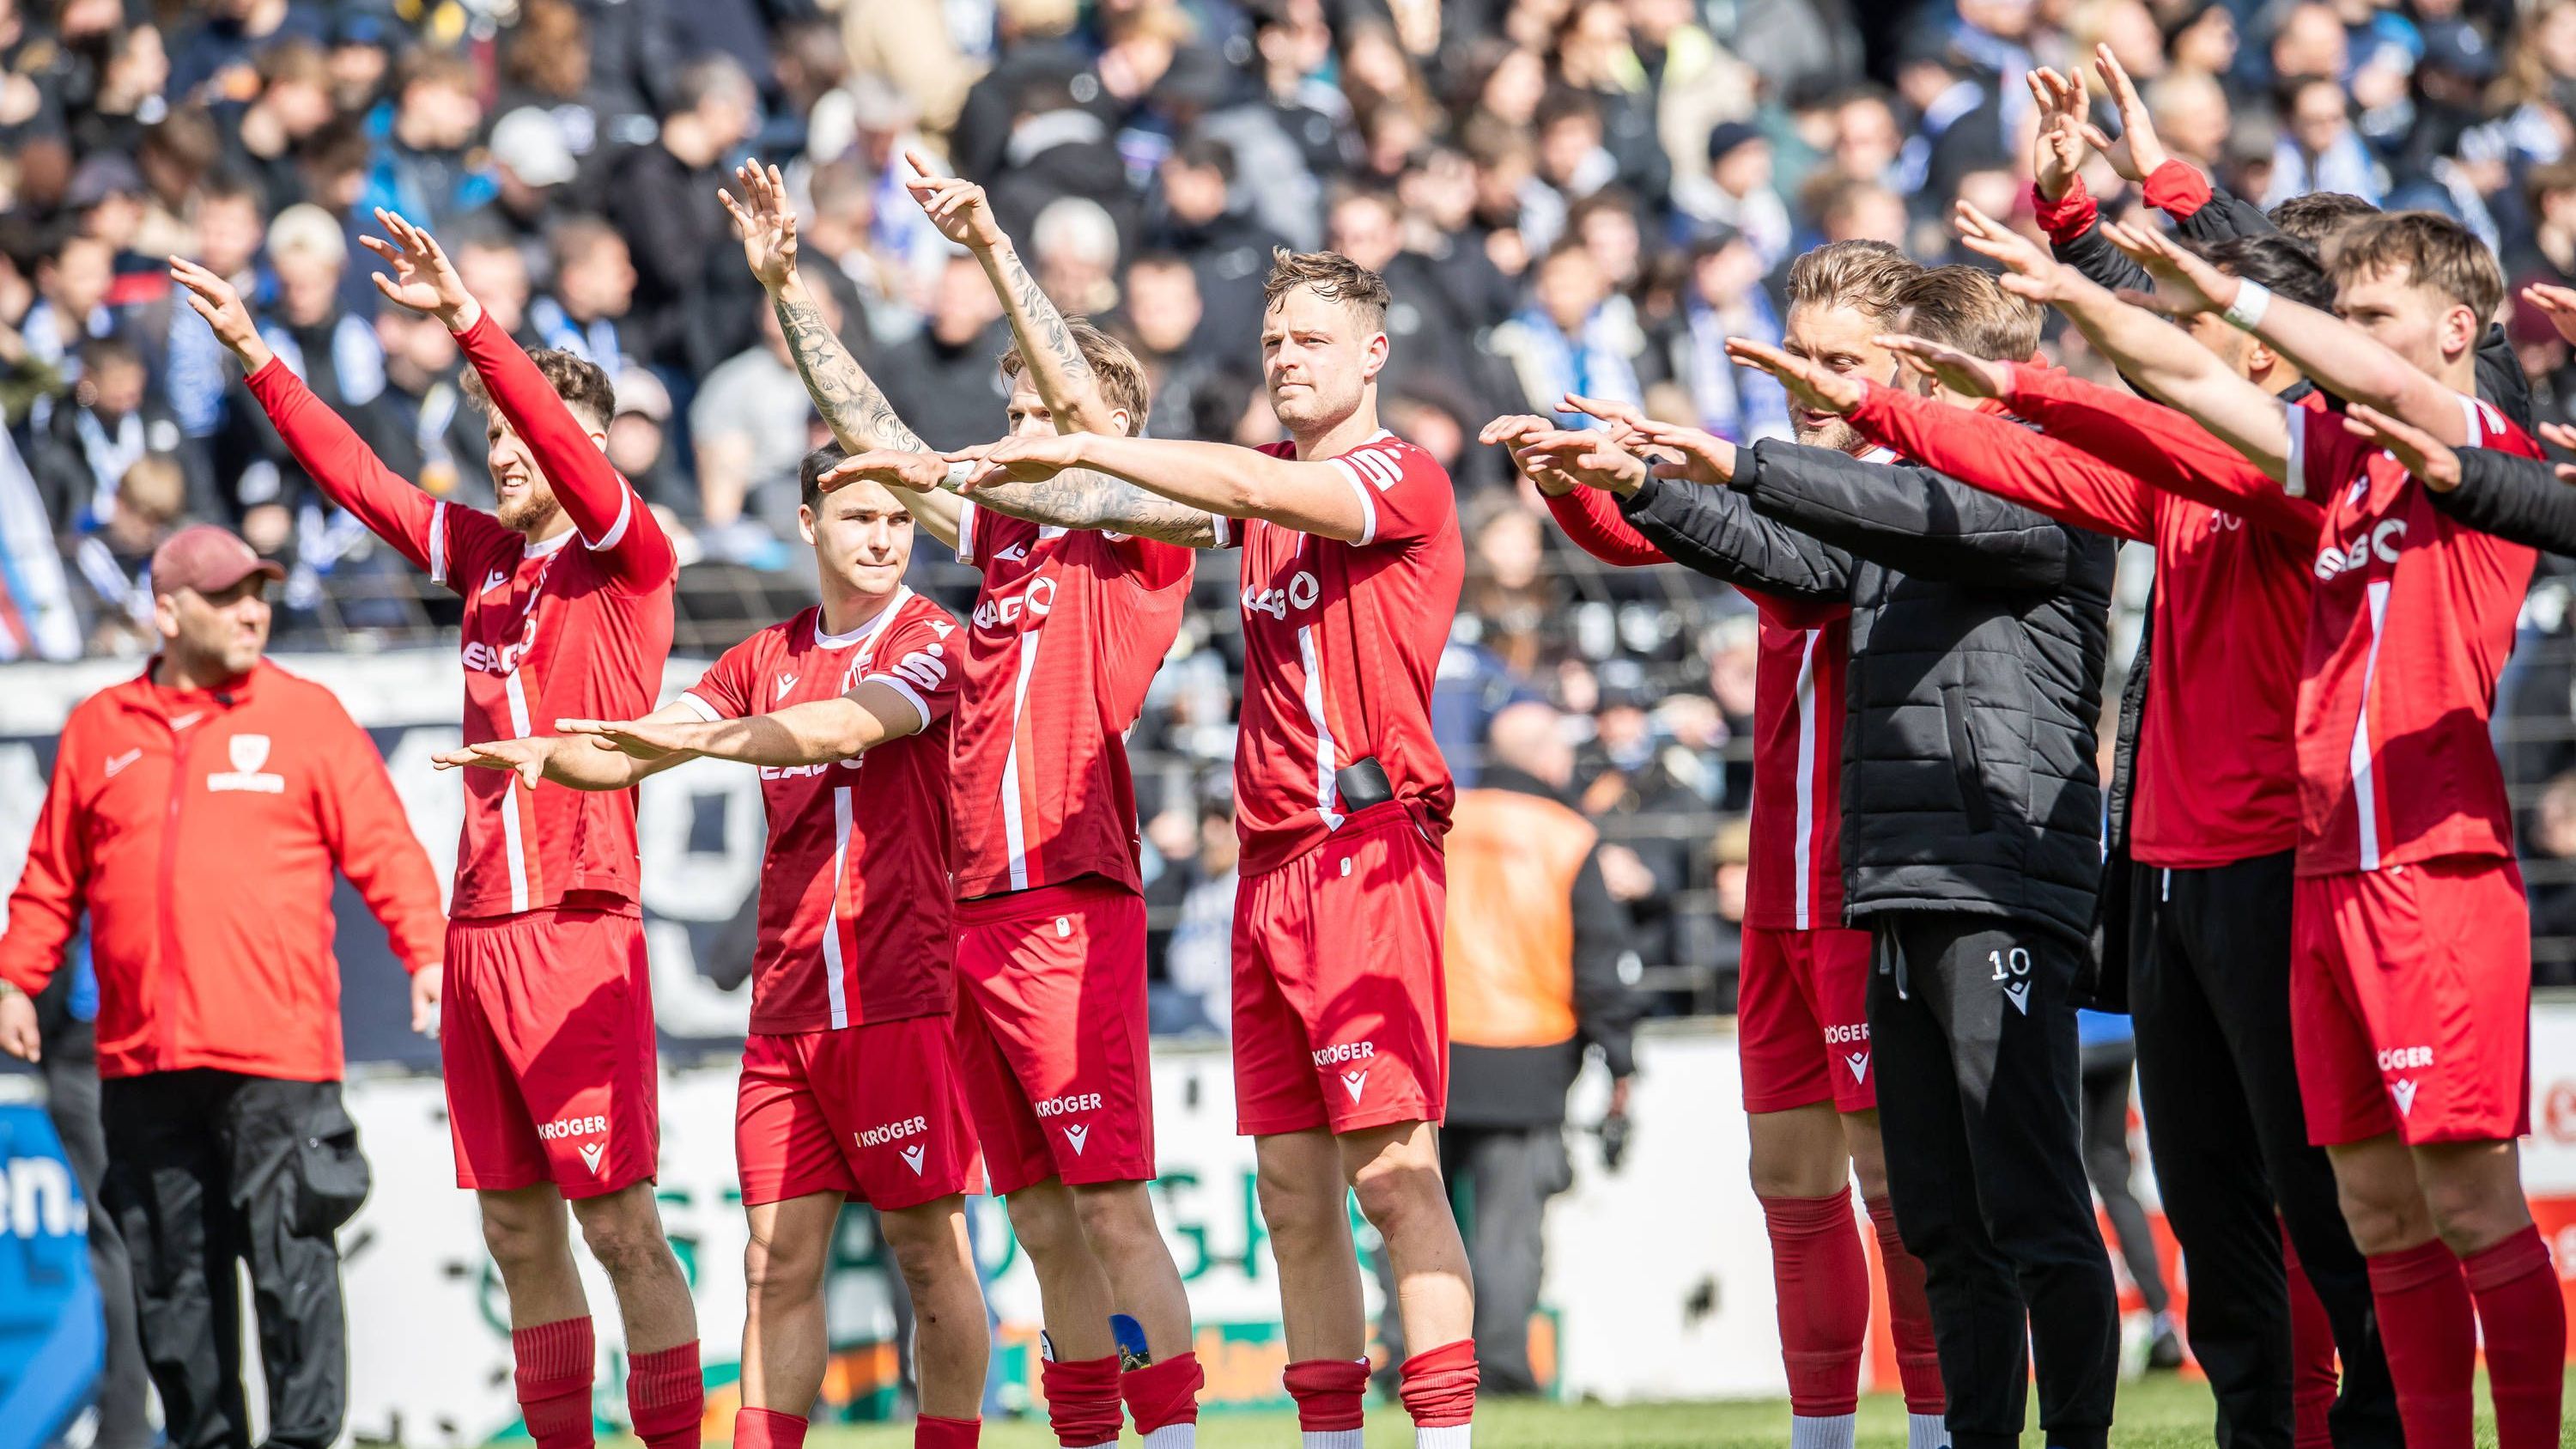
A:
[2310,905]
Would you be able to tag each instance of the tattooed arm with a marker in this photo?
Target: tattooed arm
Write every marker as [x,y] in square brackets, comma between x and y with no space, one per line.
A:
[851,404]
[1074,498]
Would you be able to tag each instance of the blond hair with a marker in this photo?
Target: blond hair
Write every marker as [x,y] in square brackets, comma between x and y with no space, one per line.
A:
[1120,375]
[1334,277]
[1868,276]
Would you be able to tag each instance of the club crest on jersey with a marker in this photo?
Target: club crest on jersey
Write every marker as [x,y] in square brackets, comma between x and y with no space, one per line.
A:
[247,753]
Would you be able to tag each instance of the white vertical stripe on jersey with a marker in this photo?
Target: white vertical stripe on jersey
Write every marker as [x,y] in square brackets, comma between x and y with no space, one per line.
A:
[832,964]
[1806,776]
[1013,834]
[437,549]
[2365,795]
[1368,505]
[966,531]
[1324,755]
[513,843]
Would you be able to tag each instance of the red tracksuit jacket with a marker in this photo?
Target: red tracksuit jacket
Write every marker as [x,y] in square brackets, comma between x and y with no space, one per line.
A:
[199,830]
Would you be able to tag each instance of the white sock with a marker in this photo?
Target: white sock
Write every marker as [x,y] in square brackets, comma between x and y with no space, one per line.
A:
[1821,1432]
[1333,1439]
[1447,1436]
[1174,1436]
[1927,1431]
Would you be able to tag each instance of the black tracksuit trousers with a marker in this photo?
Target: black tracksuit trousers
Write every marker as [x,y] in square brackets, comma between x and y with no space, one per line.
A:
[2209,992]
[1973,1033]
[207,1168]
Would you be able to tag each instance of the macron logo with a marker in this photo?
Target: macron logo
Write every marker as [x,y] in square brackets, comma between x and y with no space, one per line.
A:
[912,1157]
[590,1155]
[1077,1135]
[786,682]
[1014,554]
[1355,1083]
[2403,1089]
[491,581]
[1859,1064]
[2018,993]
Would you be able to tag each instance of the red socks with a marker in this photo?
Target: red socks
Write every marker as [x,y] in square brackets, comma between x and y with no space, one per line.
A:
[2525,1320]
[1909,1315]
[665,1397]
[1164,1393]
[1822,1283]
[767,1429]
[929,1432]
[2314,1379]
[1082,1400]
[553,1374]
[1438,1385]
[2429,1329]
[1328,1393]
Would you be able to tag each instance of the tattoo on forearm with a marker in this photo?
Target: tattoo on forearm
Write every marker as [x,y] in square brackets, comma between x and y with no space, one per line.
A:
[1052,332]
[1080,498]
[851,404]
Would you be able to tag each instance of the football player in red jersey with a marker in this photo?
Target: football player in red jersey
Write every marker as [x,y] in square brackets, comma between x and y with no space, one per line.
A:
[1068,629]
[2411,980]
[547,1039]
[1351,569]
[850,1086]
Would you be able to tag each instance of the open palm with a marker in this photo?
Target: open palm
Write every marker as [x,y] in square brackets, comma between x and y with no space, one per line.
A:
[765,220]
[423,279]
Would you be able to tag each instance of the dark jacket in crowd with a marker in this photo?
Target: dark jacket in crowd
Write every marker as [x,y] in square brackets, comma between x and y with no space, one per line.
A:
[1979,632]
[952,396]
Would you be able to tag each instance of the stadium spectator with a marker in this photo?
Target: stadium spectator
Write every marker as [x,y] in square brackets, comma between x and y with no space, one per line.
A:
[220,1044]
[1536,950]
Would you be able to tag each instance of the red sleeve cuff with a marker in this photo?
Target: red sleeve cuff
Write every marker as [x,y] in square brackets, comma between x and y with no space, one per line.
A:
[2177,189]
[2068,217]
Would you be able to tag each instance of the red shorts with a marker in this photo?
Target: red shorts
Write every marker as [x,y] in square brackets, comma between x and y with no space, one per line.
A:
[1341,1008]
[876,1111]
[546,1038]
[1051,1033]
[1802,1019]
[2410,1002]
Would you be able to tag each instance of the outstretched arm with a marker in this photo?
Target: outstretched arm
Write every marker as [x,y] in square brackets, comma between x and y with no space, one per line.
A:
[575,762]
[1063,377]
[851,404]
[1074,498]
[2330,352]
[2518,499]
[814,733]
[1324,498]
[2151,352]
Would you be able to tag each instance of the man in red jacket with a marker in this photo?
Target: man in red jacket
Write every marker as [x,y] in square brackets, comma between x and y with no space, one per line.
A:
[548,1044]
[196,814]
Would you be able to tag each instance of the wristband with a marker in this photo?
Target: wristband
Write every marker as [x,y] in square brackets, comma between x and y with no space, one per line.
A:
[963,471]
[2246,312]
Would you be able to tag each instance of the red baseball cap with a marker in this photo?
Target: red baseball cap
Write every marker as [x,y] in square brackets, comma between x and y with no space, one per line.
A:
[207,559]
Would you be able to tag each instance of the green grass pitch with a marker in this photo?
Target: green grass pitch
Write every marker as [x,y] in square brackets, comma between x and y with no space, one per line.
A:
[2160,1412]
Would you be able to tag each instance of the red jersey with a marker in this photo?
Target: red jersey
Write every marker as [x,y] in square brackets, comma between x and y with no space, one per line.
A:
[1068,630]
[854,900]
[1794,876]
[575,627]
[2231,594]
[2410,620]
[1340,644]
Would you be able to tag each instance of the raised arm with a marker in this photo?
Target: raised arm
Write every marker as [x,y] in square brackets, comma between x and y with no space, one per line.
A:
[341,464]
[2521,500]
[2328,351]
[1705,528]
[2163,447]
[2149,351]
[851,404]
[1056,367]
[605,511]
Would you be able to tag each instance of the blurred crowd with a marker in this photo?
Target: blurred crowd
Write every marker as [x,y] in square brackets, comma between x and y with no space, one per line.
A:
[1564,195]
